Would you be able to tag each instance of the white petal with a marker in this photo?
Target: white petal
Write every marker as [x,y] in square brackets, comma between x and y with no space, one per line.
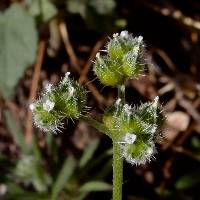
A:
[124,34]
[48,105]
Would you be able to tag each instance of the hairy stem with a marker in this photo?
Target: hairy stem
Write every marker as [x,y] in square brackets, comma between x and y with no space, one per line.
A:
[95,124]
[117,171]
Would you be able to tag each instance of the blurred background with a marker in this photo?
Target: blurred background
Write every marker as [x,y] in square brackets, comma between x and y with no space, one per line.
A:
[40,40]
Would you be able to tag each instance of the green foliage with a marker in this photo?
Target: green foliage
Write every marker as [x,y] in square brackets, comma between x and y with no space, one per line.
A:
[96,13]
[88,153]
[16,131]
[102,7]
[29,170]
[95,186]
[42,9]
[189,180]
[18,39]
[63,176]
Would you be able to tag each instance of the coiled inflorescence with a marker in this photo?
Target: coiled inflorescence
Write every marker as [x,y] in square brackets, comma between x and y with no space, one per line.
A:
[68,99]
[124,58]
[135,129]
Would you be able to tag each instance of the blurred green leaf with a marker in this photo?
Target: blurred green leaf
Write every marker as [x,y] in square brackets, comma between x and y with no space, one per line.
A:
[18,39]
[63,176]
[43,8]
[103,7]
[77,7]
[82,6]
[15,131]
[25,196]
[30,170]
[97,161]
[88,152]
[41,180]
[105,170]
[195,142]
[95,186]
[189,180]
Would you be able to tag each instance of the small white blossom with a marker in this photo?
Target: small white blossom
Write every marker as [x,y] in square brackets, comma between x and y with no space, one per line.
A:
[118,101]
[71,91]
[32,106]
[150,151]
[98,55]
[155,102]
[140,38]
[48,105]
[127,109]
[66,77]
[48,87]
[124,34]
[129,138]
[115,35]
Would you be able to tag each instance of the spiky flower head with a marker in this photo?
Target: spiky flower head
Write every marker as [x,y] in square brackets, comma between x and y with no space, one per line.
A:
[135,129]
[125,58]
[67,99]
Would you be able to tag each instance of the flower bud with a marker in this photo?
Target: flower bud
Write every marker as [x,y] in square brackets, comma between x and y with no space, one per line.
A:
[139,152]
[135,129]
[68,99]
[120,45]
[124,59]
[108,71]
[151,113]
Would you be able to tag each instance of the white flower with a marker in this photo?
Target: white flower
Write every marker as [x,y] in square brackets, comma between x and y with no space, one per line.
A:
[71,91]
[98,55]
[48,105]
[127,109]
[48,87]
[66,77]
[115,35]
[118,101]
[32,106]
[129,138]
[155,102]
[124,34]
[140,38]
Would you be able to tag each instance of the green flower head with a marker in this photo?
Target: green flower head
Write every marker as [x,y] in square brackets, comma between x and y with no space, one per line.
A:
[67,100]
[135,129]
[124,59]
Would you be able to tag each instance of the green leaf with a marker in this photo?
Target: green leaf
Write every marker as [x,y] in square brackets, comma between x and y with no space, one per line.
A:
[15,131]
[18,39]
[40,179]
[77,7]
[95,186]
[106,169]
[43,8]
[64,176]
[88,153]
[189,180]
[103,7]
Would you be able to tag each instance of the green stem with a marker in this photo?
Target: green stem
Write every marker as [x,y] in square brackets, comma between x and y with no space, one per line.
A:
[117,171]
[121,93]
[97,125]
